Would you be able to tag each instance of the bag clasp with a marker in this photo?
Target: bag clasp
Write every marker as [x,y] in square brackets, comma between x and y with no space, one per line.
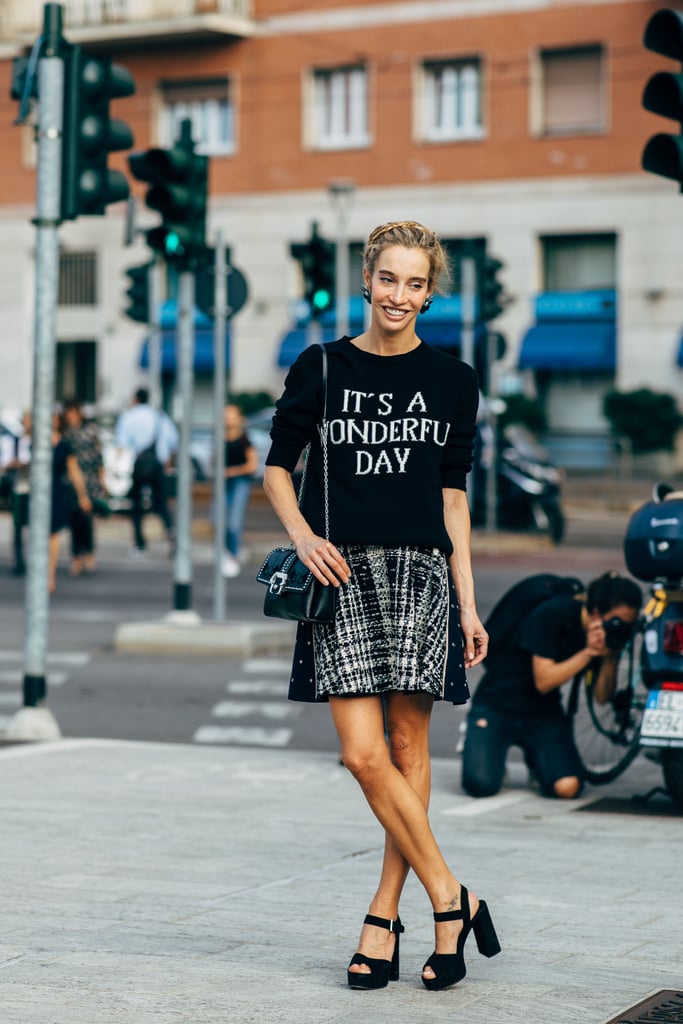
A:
[277,582]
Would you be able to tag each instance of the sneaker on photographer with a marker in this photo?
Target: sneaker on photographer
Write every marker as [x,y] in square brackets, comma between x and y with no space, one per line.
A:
[231,567]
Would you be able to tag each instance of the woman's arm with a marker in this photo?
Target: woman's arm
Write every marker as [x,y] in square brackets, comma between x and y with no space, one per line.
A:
[457,519]
[73,471]
[320,555]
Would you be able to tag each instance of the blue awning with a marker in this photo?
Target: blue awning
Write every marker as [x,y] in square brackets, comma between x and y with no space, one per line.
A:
[203,351]
[439,335]
[569,346]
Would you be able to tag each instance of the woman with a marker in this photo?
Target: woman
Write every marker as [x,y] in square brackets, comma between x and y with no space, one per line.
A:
[401,428]
[241,462]
[65,472]
[518,701]
[85,445]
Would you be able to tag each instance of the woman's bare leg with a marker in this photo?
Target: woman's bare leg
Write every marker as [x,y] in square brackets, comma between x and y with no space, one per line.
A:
[400,808]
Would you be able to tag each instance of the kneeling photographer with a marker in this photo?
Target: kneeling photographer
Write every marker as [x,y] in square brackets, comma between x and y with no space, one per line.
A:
[543,633]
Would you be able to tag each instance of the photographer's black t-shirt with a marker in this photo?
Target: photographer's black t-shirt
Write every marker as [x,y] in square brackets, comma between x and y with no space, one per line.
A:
[553,631]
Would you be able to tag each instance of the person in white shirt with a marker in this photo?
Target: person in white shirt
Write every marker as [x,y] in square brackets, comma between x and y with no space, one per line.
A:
[15,458]
[153,439]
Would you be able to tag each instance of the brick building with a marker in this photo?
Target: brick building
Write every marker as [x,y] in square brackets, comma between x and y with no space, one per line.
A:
[514,123]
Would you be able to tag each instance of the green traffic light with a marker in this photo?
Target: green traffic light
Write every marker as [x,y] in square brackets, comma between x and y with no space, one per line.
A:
[172,244]
[321,299]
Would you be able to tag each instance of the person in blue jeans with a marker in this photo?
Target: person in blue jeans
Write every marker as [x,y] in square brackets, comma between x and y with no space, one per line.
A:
[518,703]
[241,462]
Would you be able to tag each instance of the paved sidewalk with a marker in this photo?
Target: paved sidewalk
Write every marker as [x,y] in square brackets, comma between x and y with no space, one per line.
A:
[159,884]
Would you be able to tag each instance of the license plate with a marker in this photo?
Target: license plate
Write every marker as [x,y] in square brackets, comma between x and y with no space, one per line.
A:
[662,724]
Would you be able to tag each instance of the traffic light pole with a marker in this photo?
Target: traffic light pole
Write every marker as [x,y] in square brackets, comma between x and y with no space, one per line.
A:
[182,568]
[219,510]
[468,271]
[154,279]
[48,191]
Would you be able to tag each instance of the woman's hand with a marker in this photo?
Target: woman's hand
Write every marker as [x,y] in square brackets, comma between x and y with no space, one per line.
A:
[475,638]
[323,558]
[85,503]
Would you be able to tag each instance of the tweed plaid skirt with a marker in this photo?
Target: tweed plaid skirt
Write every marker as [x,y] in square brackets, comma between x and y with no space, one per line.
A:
[391,631]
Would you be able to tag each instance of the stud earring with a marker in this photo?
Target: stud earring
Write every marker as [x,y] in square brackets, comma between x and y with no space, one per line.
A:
[365,292]
[427,303]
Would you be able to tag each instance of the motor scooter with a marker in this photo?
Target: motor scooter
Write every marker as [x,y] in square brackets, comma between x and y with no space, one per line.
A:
[653,551]
[527,483]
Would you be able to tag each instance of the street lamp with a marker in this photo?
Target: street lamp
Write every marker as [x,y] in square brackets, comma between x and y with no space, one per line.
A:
[341,192]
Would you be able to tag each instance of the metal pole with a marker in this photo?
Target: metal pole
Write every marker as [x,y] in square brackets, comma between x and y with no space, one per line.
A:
[219,314]
[491,519]
[154,316]
[342,275]
[48,190]
[182,568]
[468,290]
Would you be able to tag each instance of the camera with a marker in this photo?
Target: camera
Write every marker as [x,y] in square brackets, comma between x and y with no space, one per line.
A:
[617,633]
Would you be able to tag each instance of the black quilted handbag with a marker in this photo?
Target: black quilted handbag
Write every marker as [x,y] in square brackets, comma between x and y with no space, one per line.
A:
[293,591]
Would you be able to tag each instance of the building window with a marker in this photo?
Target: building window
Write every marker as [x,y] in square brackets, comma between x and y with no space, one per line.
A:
[77,279]
[572,91]
[452,100]
[340,119]
[209,105]
[579,262]
[76,370]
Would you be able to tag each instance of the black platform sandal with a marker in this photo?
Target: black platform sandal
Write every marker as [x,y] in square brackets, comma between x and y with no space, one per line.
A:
[449,968]
[381,971]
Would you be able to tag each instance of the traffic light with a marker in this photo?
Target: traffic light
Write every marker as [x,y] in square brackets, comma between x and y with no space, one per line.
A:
[318,267]
[663,154]
[491,290]
[138,292]
[179,179]
[90,134]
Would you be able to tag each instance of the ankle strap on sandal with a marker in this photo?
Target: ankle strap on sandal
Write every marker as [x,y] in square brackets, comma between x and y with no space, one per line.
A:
[457,915]
[385,922]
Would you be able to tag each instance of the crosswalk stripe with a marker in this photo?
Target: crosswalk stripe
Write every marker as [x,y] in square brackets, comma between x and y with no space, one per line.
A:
[243,709]
[253,686]
[243,736]
[74,658]
[15,676]
[274,666]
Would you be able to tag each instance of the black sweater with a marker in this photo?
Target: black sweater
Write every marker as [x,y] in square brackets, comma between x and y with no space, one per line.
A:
[401,428]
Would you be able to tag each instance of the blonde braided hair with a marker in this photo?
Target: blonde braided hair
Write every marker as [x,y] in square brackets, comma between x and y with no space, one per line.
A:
[410,235]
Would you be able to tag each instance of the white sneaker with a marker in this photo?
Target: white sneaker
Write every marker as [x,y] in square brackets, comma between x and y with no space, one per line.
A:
[231,567]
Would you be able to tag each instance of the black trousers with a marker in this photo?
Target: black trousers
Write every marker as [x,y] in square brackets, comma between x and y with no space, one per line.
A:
[157,489]
[19,522]
[82,532]
[546,741]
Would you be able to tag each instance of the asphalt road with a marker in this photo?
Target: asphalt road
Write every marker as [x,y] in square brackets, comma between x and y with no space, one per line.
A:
[94,690]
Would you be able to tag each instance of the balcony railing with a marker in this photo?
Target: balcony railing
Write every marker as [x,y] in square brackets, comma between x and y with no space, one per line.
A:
[108,21]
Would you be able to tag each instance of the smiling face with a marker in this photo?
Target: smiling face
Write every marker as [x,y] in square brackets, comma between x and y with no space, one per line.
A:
[399,286]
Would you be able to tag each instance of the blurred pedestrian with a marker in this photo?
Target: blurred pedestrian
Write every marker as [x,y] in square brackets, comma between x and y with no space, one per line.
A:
[153,439]
[241,462]
[83,437]
[15,459]
[401,427]
[66,473]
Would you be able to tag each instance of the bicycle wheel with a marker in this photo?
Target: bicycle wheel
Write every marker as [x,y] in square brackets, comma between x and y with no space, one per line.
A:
[606,735]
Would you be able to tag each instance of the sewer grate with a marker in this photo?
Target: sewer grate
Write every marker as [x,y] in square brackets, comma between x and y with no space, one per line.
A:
[663,1007]
[645,808]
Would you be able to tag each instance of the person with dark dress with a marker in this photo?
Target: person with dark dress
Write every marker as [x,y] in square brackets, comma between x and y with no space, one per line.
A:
[65,473]
[85,444]
[241,462]
[401,428]
[518,701]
